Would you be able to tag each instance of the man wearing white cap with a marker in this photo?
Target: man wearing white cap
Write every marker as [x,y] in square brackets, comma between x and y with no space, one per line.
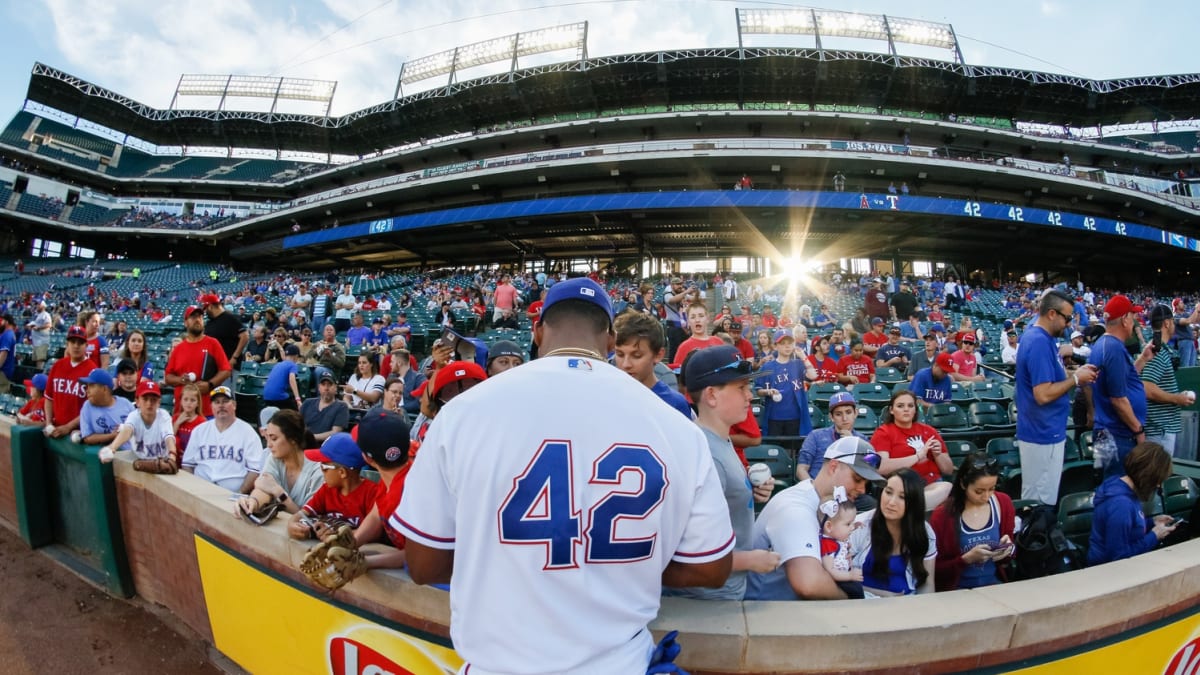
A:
[789,525]
[1079,347]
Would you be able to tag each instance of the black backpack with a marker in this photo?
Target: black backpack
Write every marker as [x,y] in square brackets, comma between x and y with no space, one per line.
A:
[1042,547]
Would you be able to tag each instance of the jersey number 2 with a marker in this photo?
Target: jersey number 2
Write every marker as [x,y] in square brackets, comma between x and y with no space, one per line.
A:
[541,509]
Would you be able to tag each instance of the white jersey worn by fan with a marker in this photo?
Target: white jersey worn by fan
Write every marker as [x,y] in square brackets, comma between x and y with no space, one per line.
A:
[562,525]
[150,442]
[224,457]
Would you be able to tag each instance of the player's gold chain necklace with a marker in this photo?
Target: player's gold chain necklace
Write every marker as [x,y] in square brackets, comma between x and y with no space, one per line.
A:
[574,351]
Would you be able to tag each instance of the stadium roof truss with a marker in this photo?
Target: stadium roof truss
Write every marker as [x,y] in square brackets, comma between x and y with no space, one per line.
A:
[252,86]
[597,86]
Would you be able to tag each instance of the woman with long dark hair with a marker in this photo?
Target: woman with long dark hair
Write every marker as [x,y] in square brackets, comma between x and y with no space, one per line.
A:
[905,443]
[974,526]
[897,552]
[288,477]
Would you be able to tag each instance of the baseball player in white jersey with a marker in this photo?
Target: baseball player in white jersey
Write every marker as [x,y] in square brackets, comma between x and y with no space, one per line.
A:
[225,450]
[568,526]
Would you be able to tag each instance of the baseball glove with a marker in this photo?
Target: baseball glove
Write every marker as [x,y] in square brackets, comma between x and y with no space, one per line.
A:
[335,561]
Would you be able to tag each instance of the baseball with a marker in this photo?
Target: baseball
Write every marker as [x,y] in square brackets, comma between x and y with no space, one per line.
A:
[76,436]
[106,454]
[777,397]
[1191,396]
[759,474]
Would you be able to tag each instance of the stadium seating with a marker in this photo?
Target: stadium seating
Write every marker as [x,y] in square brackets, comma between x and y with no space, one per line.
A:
[947,417]
[1075,517]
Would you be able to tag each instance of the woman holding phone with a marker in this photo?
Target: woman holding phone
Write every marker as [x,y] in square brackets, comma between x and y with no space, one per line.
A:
[974,527]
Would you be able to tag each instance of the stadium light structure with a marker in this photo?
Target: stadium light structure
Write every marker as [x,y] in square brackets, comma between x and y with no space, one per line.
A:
[495,50]
[832,23]
[251,86]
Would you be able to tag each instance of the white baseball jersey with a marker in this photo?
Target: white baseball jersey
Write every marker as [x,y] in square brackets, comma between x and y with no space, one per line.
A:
[150,442]
[563,525]
[224,457]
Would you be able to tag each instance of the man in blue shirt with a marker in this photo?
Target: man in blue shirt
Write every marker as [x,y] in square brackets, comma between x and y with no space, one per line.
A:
[1118,396]
[8,356]
[1043,404]
[932,385]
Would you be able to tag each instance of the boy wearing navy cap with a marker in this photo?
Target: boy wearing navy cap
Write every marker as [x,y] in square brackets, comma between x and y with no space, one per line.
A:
[718,382]
[34,410]
[383,437]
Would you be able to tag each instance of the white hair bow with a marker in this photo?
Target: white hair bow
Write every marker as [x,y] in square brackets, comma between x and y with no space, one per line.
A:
[830,506]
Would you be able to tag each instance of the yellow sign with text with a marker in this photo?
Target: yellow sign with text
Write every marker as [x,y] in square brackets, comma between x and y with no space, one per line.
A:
[1171,649]
[267,625]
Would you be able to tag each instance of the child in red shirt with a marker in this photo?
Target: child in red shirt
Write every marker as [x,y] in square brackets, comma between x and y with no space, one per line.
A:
[345,494]
[34,410]
[382,437]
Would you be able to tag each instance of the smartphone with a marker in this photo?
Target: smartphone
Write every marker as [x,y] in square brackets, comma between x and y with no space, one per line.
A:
[462,349]
[1178,521]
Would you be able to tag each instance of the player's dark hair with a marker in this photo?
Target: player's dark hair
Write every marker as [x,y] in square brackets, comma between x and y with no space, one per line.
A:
[914,540]
[634,326]
[567,312]
[1054,299]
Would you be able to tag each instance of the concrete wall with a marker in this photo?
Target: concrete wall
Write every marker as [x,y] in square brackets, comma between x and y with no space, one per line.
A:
[943,632]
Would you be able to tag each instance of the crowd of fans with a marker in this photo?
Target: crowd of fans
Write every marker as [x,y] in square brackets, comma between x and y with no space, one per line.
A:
[828,536]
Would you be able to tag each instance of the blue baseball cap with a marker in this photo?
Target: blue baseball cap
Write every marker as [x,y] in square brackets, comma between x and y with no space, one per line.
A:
[98,376]
[339,448]
[38,382]
[938,328]
[715,366]
[581,288]
[842,398]
[323,374]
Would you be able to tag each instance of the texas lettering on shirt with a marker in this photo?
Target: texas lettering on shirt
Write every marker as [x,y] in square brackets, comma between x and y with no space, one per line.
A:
[230,452]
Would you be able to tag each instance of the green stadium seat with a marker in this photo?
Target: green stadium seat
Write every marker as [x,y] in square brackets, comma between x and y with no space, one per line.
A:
[1180,494]
[875,396]
[947,417]
[989,415]
[775,456]
[958,450]
[888,375]
[821,392]
[1075,517]
[1005,450]
[867,420]
[962,392]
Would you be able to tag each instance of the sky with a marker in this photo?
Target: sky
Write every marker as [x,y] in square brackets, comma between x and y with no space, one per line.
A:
[139,48]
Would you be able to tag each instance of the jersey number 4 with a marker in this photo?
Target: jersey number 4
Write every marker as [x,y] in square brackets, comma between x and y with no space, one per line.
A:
[540,509]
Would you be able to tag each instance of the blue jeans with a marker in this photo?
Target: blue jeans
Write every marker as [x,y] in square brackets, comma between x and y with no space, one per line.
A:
[1187,353]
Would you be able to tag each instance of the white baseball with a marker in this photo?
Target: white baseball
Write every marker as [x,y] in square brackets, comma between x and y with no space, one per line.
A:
[759,474]
[777,397]
[76,436]
[1191,395]
[106,454]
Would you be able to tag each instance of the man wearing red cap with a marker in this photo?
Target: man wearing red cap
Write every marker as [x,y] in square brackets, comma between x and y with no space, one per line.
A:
[1118,396]
[932,385]
[65,394]
[225,327]
[199,358]
[965,364]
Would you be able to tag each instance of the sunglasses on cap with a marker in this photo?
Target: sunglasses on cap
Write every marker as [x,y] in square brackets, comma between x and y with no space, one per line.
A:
[870,458]
[739,367]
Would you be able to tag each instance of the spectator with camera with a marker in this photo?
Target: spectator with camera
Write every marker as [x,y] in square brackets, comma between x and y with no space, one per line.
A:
[1163,398]
[329,352]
